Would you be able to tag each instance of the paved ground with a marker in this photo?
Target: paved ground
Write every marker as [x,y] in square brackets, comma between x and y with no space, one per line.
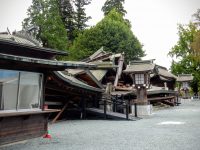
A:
[176,128]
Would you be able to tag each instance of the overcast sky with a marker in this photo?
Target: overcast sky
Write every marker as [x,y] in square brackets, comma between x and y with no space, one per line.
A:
[154,22]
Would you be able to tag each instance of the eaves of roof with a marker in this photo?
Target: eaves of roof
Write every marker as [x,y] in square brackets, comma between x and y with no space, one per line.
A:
[29,46]
[45,62]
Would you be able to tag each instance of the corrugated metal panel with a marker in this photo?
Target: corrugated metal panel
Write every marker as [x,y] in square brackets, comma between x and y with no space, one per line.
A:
[99,74]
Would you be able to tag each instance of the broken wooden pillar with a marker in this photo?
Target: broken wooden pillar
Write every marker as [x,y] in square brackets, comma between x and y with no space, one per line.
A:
[119,69]
[108,91]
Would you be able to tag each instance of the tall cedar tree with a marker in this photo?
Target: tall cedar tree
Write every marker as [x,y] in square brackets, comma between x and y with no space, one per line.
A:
[80,15]
[67,15]
[114,4]
[44,23]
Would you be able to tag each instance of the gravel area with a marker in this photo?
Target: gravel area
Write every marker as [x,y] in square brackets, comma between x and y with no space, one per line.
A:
[175,128]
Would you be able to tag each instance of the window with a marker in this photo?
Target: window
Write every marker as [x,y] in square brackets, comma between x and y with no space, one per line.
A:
[8,89]
[139,78]
[20,90]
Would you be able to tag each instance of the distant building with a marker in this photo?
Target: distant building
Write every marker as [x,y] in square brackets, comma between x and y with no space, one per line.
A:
[184,80]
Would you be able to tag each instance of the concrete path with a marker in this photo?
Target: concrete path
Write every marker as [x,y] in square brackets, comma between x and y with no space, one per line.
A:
[176,128]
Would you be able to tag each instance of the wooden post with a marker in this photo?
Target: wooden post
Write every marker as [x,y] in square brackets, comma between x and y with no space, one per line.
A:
[108,93]
[114,103]
[177,97]
[127,107]
[129,103]
[127,112]
[142,96]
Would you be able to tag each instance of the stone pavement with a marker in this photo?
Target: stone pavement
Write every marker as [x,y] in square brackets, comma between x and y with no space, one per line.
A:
[175,128]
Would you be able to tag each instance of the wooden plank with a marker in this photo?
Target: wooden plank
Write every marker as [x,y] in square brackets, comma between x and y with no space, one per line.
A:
[161,98]
[168,103]
[58,115]
[52,103]
[19,128]
[24,113]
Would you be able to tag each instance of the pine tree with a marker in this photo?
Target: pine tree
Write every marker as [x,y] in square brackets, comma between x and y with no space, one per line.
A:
[68,14]
[80,15]
[114,4]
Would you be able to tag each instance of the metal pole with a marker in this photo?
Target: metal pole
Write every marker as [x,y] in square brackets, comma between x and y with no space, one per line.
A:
[18,90]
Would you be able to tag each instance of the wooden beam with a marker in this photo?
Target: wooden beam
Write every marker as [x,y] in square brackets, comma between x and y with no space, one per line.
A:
[53,103]
[58,115]
[161,98]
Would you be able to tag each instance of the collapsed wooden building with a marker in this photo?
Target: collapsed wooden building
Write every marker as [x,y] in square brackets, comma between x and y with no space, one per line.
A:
[98,85]
[107,87]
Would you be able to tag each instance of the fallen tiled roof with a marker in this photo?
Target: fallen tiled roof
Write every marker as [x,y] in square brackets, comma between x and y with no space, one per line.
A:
[97,53]
[75,82]
[80,72]
[165,73]
[184,77]
[99,74]
[139,66]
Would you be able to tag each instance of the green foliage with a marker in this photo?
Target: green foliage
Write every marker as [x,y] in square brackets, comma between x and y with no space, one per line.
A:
[114,4]
[113,33]
[44,22]
[186,51]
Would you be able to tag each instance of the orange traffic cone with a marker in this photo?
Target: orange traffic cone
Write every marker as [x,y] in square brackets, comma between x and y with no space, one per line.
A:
[47,135]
